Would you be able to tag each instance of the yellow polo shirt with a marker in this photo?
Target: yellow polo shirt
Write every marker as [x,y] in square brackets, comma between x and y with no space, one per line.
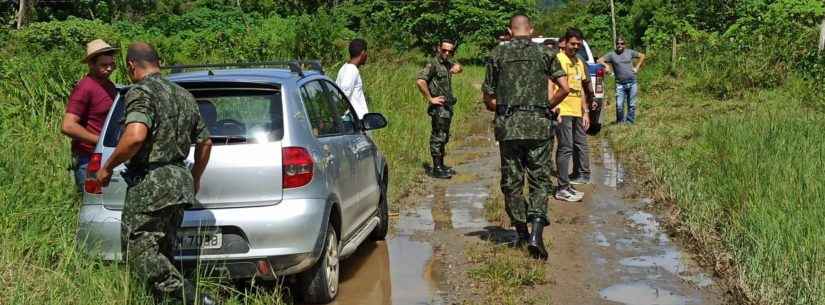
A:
[572,104]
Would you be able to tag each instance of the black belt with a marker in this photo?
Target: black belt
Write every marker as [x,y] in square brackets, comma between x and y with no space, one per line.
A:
[508,110]
[133,175]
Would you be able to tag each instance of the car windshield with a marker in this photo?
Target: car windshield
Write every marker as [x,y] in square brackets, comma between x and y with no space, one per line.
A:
[231,115]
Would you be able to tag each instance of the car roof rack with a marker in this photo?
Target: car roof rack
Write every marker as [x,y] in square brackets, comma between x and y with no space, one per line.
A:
[295,66]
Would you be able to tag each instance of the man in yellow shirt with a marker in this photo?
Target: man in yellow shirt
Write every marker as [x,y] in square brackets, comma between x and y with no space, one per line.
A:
[573,116]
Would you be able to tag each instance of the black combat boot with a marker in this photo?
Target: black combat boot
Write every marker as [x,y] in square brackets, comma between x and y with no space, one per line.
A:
[193,298]
[536,244]
[448,168]
[522,236]
[438,168]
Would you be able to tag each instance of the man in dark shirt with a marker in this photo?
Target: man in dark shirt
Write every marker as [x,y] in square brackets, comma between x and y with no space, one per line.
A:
[162,121]
[89,105]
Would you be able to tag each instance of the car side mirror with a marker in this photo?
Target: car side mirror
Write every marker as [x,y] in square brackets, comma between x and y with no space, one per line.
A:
[372,121]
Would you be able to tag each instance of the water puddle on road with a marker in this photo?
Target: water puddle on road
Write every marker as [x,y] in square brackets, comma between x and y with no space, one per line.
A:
[405,269]
[637,261]
[641,294]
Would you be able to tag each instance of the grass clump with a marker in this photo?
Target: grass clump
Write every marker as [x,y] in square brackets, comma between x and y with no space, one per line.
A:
[505,273]
[746,177]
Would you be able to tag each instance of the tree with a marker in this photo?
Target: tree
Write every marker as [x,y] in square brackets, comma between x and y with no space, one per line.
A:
[822,36]
[22,13]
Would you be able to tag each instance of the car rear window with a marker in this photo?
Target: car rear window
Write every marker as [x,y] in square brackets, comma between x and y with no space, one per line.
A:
[233,116]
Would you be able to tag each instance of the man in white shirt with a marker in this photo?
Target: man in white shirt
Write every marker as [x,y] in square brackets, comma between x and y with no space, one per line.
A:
[349,78]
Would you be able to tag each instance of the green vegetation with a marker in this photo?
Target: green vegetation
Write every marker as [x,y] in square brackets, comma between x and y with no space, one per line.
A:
[504,273]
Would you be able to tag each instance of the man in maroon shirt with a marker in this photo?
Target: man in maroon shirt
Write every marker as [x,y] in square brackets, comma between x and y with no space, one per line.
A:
[89,105]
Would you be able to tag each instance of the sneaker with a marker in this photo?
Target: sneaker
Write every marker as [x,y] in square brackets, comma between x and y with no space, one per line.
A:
[580,180]
[575,192]
[565,195]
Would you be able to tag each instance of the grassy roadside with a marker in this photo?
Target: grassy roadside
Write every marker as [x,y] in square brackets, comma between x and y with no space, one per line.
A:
[38,261]
[744,177]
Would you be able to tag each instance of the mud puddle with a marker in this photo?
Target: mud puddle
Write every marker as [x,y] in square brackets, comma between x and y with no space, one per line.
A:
[637,263]
[408,268]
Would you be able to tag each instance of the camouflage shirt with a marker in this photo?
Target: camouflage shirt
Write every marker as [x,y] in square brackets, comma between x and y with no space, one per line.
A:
[517,74]
[171,114]
[438,77]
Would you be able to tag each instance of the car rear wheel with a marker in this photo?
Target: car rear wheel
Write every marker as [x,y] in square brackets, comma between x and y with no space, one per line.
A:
[320,283]
[380,231]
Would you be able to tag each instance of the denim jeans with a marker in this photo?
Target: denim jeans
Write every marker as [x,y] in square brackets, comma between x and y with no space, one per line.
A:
[626,94]
[80,165]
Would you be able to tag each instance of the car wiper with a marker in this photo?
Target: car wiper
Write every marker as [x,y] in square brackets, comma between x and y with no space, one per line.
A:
[228,139]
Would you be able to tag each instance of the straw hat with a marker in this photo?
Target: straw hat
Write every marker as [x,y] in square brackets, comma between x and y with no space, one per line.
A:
[97,47]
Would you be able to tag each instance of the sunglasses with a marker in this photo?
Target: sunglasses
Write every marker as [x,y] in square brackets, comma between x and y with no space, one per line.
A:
[447,51]
[620,43]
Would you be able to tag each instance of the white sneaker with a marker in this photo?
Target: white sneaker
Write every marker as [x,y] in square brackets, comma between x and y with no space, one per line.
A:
[565,195]
[575,192]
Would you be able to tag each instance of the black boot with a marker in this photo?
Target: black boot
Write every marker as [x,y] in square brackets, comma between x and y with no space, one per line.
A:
[536,244]
[438,170]
[193,298]
[522,236]
[449,169]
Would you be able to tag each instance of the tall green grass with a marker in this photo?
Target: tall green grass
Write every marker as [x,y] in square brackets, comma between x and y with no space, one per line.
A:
[746,174]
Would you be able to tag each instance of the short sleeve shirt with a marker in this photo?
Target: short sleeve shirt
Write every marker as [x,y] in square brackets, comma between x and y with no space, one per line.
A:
[438,77]
[622,64]
[576,75]
[171,114]
[90,100]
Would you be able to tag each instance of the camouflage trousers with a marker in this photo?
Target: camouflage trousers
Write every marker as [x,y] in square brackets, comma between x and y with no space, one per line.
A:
[151,216]
[441,119]
[530,158]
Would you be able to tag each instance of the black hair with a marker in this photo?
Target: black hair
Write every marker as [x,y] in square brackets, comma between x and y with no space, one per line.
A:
[573,32]
[447,40]
[356,47]
[142,53]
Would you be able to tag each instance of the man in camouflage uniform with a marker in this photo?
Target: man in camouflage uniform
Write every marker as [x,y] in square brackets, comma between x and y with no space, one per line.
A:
[516,88]
[161,123]
[435,83]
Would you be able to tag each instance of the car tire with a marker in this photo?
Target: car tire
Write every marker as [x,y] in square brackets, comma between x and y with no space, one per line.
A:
[319,284]
[380,231]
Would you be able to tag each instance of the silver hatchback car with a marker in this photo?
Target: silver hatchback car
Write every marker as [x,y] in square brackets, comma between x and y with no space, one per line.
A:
[293,185]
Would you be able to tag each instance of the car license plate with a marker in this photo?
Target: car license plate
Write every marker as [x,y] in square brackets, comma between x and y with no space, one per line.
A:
[193,240]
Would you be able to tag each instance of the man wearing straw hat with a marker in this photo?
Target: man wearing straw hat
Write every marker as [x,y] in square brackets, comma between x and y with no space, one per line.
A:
[88,106]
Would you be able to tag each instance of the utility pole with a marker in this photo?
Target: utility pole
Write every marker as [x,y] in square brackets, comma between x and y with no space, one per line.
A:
[822,36]
[613,18]
[21,13]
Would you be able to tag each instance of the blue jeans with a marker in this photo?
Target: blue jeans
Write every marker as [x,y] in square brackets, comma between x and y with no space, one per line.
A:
[80,165]
[626,92]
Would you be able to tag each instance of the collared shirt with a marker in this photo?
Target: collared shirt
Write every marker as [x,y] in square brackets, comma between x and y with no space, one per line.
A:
[349,80]
[438,77]
[90,100]
[576,74]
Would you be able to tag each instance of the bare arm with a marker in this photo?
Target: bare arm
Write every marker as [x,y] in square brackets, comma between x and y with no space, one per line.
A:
[71,127]
[130,143]
[607,67]
[640,62]
[489,101]
[561,93]
[425,91]
[456,69]
[202,152]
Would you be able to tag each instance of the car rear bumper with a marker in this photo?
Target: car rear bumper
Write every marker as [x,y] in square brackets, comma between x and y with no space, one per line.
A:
[287,235]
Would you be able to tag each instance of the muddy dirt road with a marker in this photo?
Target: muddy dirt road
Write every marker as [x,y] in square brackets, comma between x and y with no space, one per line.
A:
[604,250]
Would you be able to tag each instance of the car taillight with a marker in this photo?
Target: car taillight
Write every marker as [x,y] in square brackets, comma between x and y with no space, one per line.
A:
[90,185]
[600,72]
[297,167]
